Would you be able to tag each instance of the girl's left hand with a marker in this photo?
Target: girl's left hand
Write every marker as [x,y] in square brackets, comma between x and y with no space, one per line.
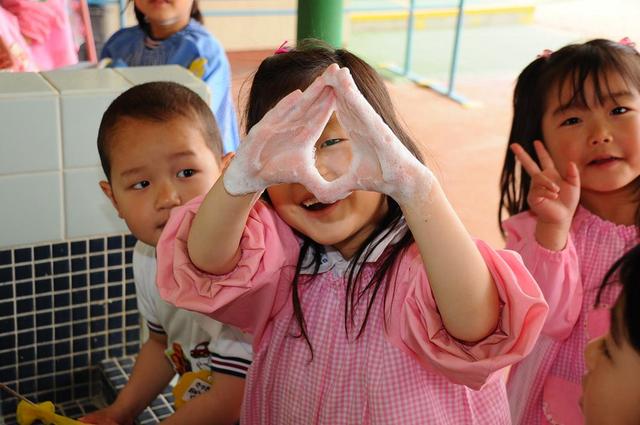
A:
[380,161]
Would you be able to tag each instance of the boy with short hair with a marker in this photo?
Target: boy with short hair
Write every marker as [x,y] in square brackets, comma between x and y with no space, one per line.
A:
[160,147]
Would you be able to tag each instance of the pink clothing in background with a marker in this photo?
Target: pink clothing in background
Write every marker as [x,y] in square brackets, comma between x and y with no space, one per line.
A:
[404,368]
[546,386]
[15,44]
[58,49]
[46,29]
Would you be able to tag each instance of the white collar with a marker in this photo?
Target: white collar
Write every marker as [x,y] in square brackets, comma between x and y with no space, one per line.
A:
[332,259]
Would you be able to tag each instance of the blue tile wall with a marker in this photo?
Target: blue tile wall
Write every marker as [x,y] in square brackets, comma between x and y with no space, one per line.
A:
[64,308]
[116,372]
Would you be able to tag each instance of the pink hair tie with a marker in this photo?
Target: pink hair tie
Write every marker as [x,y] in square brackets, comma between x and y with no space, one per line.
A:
[627,42]
[545,53]
[282,49]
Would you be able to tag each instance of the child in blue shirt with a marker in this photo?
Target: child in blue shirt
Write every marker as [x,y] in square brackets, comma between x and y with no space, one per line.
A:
[172,33]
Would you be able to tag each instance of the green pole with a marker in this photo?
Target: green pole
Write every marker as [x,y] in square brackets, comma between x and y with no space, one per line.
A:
[321,19]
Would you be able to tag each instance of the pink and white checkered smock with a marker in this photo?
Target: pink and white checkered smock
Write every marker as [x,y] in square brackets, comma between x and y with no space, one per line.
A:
[546,386]
[405,371]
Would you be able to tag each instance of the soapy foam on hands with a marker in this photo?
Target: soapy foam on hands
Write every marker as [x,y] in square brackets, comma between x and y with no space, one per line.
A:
[402,176]
[379,162]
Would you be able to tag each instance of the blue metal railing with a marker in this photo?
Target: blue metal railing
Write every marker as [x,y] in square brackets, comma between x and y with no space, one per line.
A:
[448,90]
[405,71]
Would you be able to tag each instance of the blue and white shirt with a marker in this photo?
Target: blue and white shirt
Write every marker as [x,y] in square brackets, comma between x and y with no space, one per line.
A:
[194,341]
[194,48]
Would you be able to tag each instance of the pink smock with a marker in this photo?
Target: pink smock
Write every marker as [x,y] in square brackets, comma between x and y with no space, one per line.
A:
[403,369]
[15,44]
[545,388]
[58,49]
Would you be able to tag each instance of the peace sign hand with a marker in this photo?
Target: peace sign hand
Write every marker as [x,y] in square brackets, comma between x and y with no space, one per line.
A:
[552,197]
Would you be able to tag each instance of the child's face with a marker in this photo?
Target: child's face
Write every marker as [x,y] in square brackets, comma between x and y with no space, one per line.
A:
[602,139]
[344,224]
[155,167]
[165,17]
[611,387]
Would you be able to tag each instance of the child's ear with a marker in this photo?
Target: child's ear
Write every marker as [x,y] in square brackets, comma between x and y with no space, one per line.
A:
[226,160]
[106,189]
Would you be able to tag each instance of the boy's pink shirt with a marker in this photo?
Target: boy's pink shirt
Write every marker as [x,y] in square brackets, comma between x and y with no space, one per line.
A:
[403,369]
[546,386]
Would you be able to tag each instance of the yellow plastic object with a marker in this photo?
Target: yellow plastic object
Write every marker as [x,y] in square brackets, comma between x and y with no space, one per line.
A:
[27,413]
[190,385]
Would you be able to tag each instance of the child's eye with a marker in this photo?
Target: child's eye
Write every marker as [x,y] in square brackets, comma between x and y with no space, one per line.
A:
[619,110]
[186,173]
[141,185]
[570,121]
[330,142]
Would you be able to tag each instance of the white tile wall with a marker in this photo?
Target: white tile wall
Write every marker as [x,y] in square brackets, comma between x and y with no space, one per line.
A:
[45,195]
[85,95]
[31,208]
[175,73]
[83,82]
[29,124]
[80,121]
[87,210]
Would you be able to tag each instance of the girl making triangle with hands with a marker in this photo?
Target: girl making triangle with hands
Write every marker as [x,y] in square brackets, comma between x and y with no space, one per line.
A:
[367,299]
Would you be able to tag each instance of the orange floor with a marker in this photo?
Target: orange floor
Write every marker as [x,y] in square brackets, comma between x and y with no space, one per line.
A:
[465,147]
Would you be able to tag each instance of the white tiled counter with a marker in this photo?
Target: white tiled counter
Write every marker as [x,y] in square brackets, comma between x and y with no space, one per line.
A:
[49,164]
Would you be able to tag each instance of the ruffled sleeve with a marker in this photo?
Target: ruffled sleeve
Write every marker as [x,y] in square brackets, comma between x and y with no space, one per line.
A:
[248,296]
[419,329]
[557,274]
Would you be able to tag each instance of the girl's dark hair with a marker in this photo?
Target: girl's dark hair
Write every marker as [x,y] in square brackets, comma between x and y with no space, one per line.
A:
[142,21]
[279,75]
[577,64]
[158,101]
[626,271]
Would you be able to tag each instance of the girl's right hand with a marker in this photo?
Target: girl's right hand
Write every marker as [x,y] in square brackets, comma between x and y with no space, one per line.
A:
[552,197]
[279,148]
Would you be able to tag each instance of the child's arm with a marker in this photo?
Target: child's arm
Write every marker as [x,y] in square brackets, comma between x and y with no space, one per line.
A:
[217,75]
[267,156]
[218,406]
[557,273]
[461,283]
[221,217]
[151,374]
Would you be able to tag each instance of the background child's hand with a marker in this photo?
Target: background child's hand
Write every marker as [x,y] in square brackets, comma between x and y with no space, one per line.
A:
[280,148]
[552,197]
[106,416]
[380,162]
[6,59]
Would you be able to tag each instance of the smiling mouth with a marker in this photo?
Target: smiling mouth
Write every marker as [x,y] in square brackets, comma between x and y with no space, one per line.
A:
[600,161]
[313,204]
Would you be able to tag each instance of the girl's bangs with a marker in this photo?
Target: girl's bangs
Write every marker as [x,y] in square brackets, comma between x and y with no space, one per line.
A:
[594,69]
